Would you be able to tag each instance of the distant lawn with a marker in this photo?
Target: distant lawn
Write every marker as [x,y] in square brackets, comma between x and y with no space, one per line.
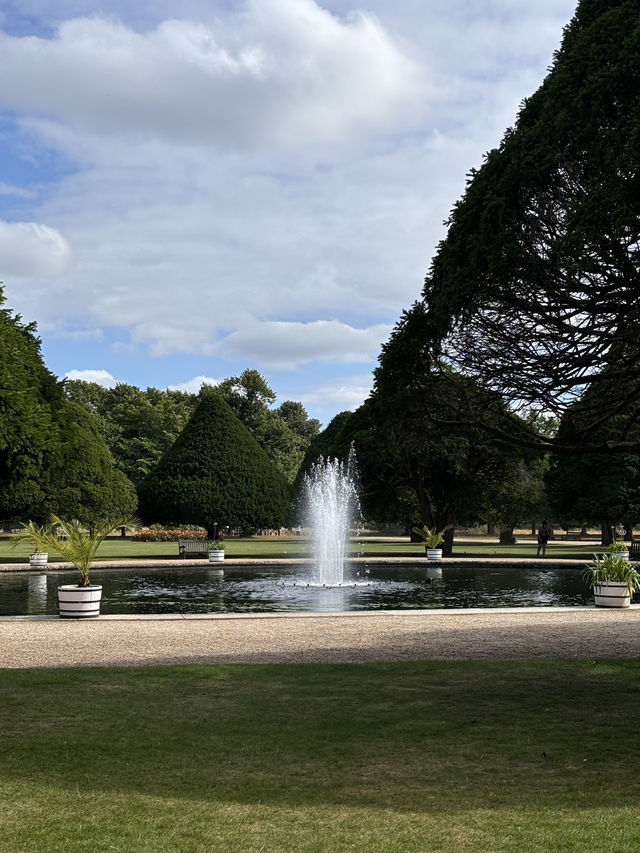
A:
[483,757]
[279,547]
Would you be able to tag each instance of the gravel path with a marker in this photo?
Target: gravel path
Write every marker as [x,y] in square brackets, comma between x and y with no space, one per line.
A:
[312,638]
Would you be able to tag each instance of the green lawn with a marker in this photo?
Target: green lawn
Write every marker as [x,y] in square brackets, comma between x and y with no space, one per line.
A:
[285,546]
[415,757]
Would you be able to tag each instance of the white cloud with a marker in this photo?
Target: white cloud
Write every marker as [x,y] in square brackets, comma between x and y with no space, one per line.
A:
[231,183]
[344,394]
[19,192]
[289,345]
[192,386]
[100,377]
[285,71]
[31,249]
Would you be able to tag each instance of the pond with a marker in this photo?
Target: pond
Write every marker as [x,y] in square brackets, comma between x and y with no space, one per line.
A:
[286,589]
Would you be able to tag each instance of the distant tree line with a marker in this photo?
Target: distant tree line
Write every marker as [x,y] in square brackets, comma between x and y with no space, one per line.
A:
[78,450]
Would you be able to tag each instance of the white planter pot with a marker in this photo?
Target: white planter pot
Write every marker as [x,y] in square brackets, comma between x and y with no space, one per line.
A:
[434,553]
[216,556]
[612,594]
[79,602]
[38,559]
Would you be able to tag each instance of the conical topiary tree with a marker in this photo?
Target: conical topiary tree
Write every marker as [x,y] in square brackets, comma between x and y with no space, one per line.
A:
[215,473]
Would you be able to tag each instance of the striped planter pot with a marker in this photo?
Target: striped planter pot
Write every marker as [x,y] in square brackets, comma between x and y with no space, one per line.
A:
[79,602]
[39,559]
[216,556]
[612,594]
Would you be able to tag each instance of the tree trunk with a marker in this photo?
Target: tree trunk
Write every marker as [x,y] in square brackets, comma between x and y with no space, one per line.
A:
[507,537]
[607,532]
[426,514]
[445,517]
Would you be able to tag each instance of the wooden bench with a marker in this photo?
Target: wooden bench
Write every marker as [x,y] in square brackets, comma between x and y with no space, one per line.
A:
[573,534]
[193,547]
[634,550]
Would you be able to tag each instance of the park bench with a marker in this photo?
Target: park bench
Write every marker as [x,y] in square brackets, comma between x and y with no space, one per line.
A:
[573,534]
[634,550]
[194,547]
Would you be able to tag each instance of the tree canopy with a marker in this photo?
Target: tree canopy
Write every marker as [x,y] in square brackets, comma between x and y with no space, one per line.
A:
[52,459]
[535,291]
[283,433]
[413,469]
[138,426]
[595,489]
[215,474]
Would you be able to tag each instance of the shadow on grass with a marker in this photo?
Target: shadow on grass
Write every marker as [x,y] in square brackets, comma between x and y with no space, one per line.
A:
[409,736]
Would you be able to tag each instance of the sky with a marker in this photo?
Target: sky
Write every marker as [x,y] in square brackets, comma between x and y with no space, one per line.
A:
[190,188]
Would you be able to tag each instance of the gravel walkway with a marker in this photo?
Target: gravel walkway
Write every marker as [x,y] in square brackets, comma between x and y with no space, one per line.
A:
[311,638]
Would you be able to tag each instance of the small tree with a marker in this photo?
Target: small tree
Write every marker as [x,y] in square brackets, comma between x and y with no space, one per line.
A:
[215,473]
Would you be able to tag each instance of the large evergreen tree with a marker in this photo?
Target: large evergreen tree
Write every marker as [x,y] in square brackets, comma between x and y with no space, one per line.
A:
[52,459]
[535,292]
[406,441]
[27,433]
[603,490]
[215,474]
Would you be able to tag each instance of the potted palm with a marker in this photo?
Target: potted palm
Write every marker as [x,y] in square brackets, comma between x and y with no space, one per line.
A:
[216,552]
[613,580]
[432,538]
[35,535]
[79,545]
[619,549]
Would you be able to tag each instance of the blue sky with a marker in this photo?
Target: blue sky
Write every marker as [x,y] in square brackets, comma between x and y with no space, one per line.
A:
[193,187]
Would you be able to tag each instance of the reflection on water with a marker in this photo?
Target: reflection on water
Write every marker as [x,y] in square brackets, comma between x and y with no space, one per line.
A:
[243,591]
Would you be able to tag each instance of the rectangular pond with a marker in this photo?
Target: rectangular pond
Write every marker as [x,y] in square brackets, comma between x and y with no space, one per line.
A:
[286,589]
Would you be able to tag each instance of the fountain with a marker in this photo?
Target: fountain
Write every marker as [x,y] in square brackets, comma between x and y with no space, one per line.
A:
[332,505]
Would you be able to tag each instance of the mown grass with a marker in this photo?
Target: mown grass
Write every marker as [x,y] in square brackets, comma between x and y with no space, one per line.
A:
[279,547]
[412,757]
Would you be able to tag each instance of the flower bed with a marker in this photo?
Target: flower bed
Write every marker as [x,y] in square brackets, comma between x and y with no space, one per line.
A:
[157,533]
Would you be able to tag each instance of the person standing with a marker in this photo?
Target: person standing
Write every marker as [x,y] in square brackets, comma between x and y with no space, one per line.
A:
[543,537]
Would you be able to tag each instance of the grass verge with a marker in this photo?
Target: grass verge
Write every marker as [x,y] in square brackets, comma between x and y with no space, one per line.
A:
[279,547]
[466,756]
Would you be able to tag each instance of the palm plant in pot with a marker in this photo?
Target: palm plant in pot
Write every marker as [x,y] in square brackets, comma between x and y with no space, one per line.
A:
[613,580]
[619,549]
[433,538]
[79,545]
[35,534]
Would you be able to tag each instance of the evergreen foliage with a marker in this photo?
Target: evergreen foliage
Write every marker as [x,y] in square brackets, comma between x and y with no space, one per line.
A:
[535,292]
[52,459]
[283,433]
[594,488]
[215,474]
[414,454]
[28,391]
[138,426]
[322,444]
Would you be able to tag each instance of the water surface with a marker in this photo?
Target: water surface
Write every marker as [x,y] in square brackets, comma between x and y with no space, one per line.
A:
[240,590]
